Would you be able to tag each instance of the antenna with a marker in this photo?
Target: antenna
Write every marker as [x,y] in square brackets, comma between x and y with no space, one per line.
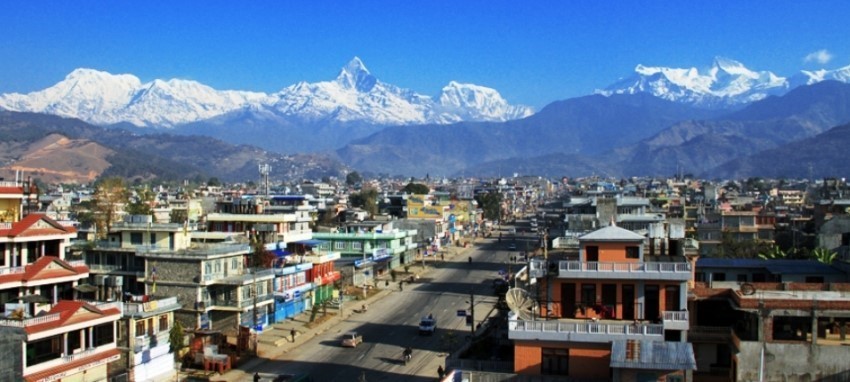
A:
[521,303]
[265,168]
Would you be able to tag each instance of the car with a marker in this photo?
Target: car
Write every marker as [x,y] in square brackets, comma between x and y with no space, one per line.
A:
[428,325]
[351,339]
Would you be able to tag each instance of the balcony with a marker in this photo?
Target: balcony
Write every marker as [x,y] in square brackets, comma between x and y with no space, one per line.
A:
[625,271]
[598,331]
[675,320]
[11,270]
[239,279]
[238,304]
[30,321]
[147,309]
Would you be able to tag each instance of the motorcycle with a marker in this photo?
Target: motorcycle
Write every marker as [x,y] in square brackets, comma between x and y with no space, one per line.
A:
[406,356]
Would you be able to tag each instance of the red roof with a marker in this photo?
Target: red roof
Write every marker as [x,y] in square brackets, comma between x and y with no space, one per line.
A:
[72,365]
[22,227]
[12,190]
[38,271]
[72,312]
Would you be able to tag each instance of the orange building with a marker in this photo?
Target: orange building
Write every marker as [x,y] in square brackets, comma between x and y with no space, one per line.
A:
[601,316]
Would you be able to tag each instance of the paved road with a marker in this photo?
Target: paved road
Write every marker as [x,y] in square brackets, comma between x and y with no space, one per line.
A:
[391,323]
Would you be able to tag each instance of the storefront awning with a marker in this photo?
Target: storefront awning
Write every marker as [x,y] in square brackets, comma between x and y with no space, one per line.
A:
[85,288]
[311,242]
[281,252]
[36,298]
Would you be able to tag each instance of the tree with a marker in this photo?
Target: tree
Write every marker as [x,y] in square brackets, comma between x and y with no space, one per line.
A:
[491,204]
[353,178]
[774,253]
[824,255]
[109,199]
[214,182]
[143,203]
[366,199]
[175,337]
[416,189]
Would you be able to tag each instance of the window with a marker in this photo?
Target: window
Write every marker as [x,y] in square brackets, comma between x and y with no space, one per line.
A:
[103,334]
[44,350]
[588,294]
[555,361]
[207,268]
[234,264]
[742,278]
[140,328]
[136,238]
[632,252]
[718,276]
[814,279]
[163,322]
[153,239]
[699,277]
[340,245]
[357,246]
[675,378]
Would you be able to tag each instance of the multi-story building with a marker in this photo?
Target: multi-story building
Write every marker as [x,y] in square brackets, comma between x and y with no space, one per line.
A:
[144,338]
[786,321]
[611,315]
[72,341]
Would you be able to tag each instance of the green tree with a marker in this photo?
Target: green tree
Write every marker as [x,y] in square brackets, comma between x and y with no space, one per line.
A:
[366,199]
[824,255]
[416,189]
[353,178]
[774,253]
[732,248]
[143,203]
[491,204]
[214,182]
[175,338]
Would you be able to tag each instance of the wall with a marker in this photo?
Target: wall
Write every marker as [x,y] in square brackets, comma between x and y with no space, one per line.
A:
[590,363]
[527,358]
[793,362]
[611,252]
[11,340]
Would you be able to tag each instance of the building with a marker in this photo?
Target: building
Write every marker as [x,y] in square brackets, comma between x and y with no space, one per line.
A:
[144,337]
[73,341]
[598,316]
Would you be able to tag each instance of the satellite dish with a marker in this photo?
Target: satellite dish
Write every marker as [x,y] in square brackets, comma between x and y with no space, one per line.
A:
[521,303]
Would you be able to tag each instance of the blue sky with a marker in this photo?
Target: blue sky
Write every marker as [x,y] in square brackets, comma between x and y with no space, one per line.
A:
[532,52]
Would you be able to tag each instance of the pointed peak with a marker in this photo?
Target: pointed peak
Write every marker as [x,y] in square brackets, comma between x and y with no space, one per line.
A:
[355,66]
[354,75]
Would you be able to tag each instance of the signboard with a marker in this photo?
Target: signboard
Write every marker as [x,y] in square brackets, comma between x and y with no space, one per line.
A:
[461,313]
[205,321]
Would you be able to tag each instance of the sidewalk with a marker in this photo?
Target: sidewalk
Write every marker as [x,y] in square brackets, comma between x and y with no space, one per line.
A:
[276,340]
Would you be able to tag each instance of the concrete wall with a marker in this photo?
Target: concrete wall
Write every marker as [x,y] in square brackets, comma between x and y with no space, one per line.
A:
[174,270]
[11,363]
[793,362]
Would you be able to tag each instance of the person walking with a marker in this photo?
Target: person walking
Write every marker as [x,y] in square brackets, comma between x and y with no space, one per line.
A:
[440,372]
[292,333]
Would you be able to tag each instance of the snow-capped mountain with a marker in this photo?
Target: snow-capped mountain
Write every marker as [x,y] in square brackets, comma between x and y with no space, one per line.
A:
[726,83]
[355,95]
[809,77]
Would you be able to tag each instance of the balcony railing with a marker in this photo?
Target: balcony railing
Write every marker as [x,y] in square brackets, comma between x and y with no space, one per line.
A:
[77,356]
[675,320]
[76,263]
[583,331]
[30,321]
[242,304]
[11,270]
[638,270]
[151,306]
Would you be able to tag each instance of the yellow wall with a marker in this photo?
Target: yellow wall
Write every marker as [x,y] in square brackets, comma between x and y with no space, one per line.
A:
[9,210]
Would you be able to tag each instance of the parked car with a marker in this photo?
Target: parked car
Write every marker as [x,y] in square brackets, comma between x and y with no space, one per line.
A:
[351,339]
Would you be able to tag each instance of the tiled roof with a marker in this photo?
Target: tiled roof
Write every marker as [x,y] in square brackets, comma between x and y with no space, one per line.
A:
[12,190]
[72,312]
[652,355]
[23,227]
[40,376]
[38,271]
[612,233]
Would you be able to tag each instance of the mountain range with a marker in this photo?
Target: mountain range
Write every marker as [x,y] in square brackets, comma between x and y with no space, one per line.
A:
[660,121]
[726,83]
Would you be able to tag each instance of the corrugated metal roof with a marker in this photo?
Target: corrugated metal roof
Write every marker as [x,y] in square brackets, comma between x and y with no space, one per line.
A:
[778,266]
[654,355]
[612,233]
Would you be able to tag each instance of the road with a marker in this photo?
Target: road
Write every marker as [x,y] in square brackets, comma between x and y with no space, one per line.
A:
[391,323]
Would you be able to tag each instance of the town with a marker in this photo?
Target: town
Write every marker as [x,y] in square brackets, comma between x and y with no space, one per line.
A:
[585,279]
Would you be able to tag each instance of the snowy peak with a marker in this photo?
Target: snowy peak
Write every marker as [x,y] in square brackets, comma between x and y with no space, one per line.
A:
[355,95]
[354,75]
[478,103]
[725,83]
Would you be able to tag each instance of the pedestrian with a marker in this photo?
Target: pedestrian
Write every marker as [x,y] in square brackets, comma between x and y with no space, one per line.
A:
[257,377]
[386,283]
[292,333]
[400,286]
[442,256]
[440,371]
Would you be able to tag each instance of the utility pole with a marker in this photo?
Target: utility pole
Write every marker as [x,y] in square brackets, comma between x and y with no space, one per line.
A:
[472,313]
